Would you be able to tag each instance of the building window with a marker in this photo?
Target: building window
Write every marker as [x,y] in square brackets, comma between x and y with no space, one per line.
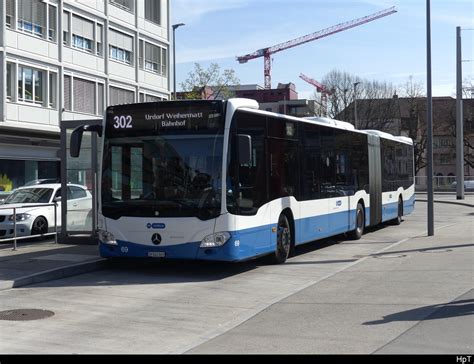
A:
[121,47]
[32,17]
[99,35]
[119,96]
[81,43]
[52,23]
[30,85]
[84,96]
[9,81]
[152,58]
[67,93]
[53,87]
[140,53]
[100,99]
[15,173]
[121,55]
[151,98]
[126,5]
[10,13]
[153,11]
[66,17]
[82,33]
[164,61]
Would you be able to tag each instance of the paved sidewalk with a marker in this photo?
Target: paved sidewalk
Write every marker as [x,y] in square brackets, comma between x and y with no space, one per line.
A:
[36,261]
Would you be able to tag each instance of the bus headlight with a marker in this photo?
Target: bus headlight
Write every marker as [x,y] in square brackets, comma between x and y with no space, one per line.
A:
[215,240]
[106,238]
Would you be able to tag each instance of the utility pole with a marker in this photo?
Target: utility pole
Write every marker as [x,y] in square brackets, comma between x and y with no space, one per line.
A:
[459,121]
[175,26]
[355,104]
[429,120]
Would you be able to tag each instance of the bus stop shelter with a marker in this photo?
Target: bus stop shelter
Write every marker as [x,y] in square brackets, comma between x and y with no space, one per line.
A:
[82,171]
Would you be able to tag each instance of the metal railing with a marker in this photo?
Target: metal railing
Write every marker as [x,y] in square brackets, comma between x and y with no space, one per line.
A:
[442,183]
[15,238]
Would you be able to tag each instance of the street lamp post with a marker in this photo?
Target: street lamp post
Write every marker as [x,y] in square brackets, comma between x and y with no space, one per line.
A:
[355,103]
[175,26]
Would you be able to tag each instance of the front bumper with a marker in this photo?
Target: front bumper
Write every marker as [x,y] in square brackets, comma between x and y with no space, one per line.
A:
[22,229]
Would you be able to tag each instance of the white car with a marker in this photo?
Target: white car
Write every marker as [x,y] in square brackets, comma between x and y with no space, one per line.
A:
[34,219]
[468,185]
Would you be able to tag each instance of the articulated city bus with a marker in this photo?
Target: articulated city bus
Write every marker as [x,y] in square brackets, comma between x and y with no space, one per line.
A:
[223,180]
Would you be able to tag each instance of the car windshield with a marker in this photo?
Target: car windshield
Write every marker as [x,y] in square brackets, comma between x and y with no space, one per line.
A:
[30,195]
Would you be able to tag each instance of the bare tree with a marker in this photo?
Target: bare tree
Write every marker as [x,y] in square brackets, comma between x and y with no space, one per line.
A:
[376,106]
[412,116]
[341,86]
[209,83]
[468,140]
[468,88]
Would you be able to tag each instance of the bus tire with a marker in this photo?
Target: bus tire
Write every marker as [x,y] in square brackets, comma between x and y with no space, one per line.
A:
[357,233]
[398,219]
[283,245]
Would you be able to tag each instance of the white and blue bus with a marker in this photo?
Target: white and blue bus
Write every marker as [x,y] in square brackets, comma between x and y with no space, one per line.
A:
[223,180]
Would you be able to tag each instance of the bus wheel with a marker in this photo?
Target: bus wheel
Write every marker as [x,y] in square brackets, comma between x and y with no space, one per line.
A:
[282,250]
[356,234]
[398,219]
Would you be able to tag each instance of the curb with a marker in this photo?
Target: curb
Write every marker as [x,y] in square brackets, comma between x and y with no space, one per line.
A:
[53,274]
[448,202]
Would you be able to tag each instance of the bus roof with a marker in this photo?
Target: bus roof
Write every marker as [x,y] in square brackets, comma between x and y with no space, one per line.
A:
[382,134]
[339,124]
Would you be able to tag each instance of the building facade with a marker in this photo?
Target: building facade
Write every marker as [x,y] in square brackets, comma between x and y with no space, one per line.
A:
[407,117]
[69,60]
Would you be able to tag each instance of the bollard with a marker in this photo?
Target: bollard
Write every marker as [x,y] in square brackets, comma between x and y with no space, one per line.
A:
[14,229]
[55,223]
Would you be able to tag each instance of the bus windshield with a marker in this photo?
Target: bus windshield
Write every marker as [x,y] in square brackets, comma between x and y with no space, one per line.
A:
[167,164]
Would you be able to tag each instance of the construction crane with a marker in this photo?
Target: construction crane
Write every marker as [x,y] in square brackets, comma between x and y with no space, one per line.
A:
[266,53]
[320,88]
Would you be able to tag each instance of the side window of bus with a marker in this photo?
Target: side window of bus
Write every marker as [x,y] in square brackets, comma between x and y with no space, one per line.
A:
[359,161]
[345,179]
[327,163]
[283,158]
[247,189]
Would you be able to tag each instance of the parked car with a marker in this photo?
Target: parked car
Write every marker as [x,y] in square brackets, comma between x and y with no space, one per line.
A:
[468,185]
[35,209]
[3,196]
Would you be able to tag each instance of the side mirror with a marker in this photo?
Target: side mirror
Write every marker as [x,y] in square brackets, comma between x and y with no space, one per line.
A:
[76,138]
[245,148]
[76,141]
[57,199]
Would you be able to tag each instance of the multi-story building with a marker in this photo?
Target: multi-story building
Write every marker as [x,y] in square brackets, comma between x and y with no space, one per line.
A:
[68,60]
[407,117]
[283,99]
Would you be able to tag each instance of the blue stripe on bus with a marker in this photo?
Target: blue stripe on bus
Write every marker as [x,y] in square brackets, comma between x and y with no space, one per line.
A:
[250,243]
[390,210]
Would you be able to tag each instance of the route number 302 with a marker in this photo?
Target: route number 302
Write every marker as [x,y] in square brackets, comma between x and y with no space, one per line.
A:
[123,122]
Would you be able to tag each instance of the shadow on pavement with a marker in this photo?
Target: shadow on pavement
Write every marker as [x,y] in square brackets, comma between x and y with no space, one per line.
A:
[432,312]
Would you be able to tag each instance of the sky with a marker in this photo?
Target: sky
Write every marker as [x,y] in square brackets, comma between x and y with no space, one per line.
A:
[389,49]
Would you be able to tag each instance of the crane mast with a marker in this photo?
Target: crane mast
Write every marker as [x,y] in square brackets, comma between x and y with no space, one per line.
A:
[266,53]
[320,88]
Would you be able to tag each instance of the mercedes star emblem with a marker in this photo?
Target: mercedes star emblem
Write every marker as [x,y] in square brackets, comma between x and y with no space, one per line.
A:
[156,239]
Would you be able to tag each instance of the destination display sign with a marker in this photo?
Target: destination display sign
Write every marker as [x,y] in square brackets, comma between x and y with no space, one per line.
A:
[164,118]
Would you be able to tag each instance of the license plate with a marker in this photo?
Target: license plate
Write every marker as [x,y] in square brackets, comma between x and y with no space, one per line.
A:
[156,254]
